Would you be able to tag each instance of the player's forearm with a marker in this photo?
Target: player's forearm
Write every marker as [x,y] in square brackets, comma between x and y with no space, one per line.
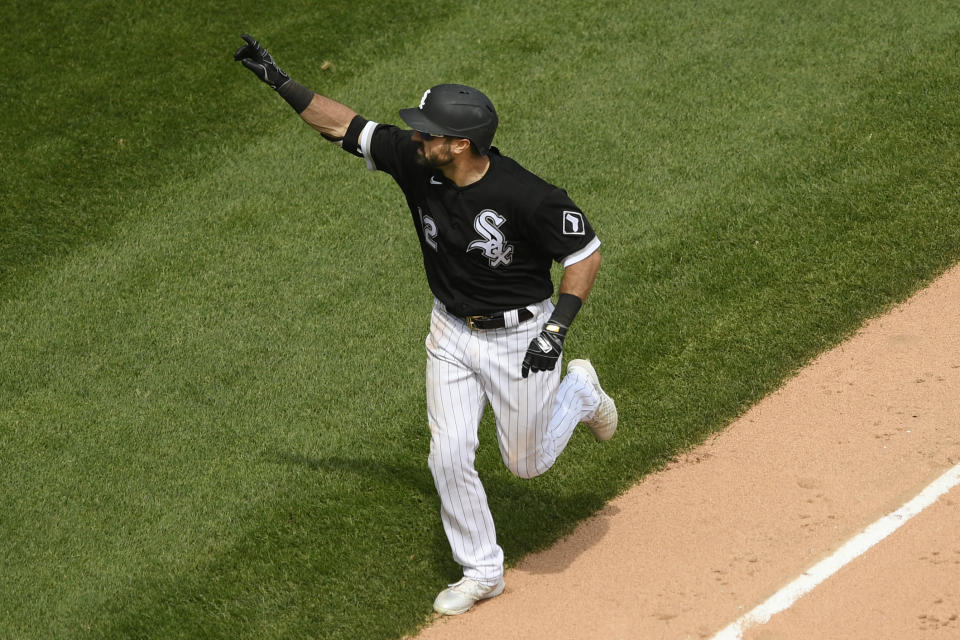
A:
[578,278]
[328,116]
[575,286]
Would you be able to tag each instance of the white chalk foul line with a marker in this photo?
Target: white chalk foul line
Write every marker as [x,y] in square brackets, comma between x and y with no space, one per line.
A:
[856,546]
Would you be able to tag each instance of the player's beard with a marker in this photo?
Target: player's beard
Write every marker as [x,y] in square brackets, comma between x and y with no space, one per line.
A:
[440,157]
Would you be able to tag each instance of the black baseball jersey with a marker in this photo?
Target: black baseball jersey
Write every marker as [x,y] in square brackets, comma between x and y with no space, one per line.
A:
[487,247]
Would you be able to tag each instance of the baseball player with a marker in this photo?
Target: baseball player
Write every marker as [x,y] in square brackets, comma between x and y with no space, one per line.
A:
[489,231]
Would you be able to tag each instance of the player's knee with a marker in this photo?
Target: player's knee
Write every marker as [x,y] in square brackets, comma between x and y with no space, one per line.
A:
[526,468]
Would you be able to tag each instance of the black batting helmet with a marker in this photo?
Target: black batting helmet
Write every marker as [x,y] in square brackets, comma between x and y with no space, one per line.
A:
[455,110]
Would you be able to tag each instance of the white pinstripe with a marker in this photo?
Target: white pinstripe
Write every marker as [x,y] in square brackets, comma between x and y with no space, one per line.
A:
[536,416]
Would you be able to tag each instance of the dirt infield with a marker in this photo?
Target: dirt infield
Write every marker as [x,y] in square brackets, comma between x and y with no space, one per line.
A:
[691,549]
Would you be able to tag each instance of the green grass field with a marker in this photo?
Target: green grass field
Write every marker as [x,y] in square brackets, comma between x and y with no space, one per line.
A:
[212,416]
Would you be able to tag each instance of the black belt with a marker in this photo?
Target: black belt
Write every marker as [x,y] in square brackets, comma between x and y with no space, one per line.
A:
[495,320]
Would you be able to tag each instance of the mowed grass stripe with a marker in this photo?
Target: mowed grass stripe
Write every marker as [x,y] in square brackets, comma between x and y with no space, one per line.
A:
[213,415]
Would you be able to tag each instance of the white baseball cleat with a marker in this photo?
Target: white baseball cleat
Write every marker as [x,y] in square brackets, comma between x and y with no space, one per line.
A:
[460,596]
[604,421]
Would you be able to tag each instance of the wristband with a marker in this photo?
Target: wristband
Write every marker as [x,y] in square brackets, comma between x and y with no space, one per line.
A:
[296,94]
[351,139]
[566,310]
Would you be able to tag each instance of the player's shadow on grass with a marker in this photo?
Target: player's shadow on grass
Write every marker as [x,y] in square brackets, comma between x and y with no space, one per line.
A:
[529,514]
[366,471]
[532,515]
[376,483]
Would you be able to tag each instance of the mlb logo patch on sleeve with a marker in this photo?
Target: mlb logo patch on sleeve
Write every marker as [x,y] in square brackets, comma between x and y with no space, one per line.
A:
[573,223]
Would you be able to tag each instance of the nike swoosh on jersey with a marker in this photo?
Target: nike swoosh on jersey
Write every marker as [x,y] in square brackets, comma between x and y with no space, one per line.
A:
[433,180]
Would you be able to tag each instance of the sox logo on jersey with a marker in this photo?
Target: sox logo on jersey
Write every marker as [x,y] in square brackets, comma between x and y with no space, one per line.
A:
[494,245]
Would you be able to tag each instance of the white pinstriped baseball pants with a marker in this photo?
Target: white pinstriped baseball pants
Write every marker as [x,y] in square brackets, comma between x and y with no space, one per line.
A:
[466,370]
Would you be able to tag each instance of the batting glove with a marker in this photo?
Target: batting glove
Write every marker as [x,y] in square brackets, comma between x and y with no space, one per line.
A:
[545,349]
[259,60]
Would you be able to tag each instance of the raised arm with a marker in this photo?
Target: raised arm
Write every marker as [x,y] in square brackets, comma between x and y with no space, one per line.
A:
[327,116]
